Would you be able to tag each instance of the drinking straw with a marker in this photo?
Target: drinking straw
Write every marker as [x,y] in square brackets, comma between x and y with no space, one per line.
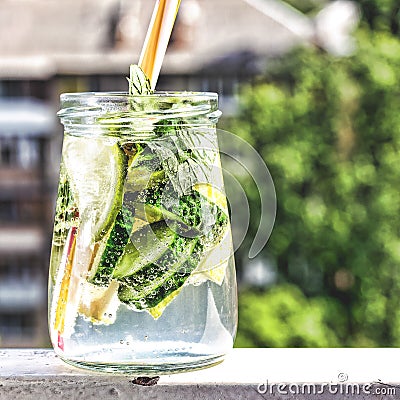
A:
[157,38]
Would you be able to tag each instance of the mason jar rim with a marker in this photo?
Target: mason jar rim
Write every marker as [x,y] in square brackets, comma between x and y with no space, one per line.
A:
[82,111]
[155,95]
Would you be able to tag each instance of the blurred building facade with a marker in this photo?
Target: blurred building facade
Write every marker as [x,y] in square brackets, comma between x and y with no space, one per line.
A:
[55,46]
[26,132]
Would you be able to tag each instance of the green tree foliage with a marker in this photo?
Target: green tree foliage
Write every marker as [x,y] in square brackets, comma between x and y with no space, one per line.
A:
[381,14]
[284,317]
[329,131]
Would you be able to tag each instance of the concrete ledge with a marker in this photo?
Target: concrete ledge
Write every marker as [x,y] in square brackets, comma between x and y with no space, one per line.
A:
[245,374]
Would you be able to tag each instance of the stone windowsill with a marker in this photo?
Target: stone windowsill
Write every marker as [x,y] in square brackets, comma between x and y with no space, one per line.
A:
[245,374]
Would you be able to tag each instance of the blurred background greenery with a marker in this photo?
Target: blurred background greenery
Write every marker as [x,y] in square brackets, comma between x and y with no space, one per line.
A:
[329,130]
[316,99]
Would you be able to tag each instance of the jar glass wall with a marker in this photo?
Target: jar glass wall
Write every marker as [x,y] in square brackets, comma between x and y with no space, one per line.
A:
[142,275]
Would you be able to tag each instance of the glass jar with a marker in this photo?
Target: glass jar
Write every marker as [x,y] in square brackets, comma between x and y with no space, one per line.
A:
[142,277]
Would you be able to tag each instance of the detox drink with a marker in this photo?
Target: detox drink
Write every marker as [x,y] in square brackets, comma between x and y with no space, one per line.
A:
[142,275]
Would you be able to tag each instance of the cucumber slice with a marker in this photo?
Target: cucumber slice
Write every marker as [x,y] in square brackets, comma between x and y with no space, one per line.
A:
[147,246]
[193,212]
[170,283]
[114,248]
[154,282]
[155,213]
[143,178]
[144,172]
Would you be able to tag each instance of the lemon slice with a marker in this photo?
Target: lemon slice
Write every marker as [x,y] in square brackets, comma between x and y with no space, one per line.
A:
[100,304]
[96,168]
[214,264]
[216,274]
[157,310]
[212,194]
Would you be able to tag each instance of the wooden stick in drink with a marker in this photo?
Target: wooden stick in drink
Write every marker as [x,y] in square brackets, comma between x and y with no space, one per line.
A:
[157,38]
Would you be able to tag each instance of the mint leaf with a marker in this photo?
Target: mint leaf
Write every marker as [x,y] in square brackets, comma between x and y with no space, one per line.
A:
[186,154]
[139,83]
